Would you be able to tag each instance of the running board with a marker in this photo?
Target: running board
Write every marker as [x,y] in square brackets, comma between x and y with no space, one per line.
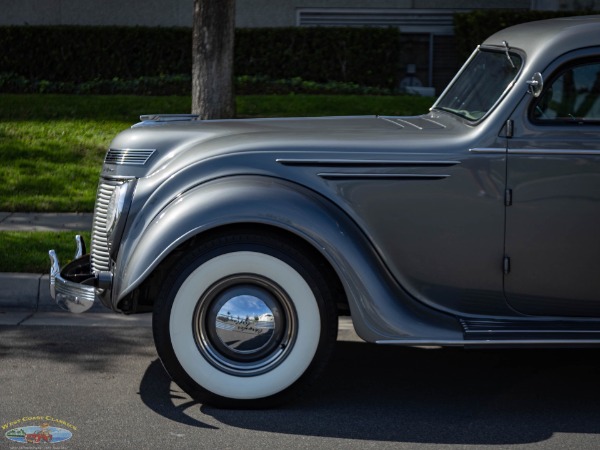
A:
[506,343]
[572,330]
[516,333]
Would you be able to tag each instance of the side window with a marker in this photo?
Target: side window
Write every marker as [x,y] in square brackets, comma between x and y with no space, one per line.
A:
[572,95]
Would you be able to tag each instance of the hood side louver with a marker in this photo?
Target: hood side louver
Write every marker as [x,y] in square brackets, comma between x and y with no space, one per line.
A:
[128,156]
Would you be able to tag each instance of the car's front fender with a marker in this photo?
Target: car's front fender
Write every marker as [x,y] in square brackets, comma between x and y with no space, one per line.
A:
[380,308]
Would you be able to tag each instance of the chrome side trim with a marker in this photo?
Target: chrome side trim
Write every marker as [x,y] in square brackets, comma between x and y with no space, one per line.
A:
[362,162]
[128,156]
[369,163]
[434,122]
[521,325]
[535,151]
[492,150]
[380,176]
[168,117]
[547,151]
[399,121]
[392,121]
[488,342]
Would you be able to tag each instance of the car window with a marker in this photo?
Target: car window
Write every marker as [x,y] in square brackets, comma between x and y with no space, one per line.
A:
[480,85]
[571,96]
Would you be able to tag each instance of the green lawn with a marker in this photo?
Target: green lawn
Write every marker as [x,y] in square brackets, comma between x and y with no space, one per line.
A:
[52,147]
[24,251]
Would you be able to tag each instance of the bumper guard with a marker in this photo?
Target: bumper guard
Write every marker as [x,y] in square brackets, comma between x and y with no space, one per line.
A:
[74,288]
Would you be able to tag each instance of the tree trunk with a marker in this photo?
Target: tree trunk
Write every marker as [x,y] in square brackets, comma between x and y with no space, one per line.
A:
[212,59]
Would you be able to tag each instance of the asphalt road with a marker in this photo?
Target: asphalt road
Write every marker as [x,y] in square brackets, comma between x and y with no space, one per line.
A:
[107,382]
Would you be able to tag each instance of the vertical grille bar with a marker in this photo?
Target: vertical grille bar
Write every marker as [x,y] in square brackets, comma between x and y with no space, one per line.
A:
[99,250]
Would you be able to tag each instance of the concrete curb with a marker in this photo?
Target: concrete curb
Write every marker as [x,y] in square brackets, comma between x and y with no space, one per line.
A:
[28,291]
[20,291]
[25,301]
[25,292]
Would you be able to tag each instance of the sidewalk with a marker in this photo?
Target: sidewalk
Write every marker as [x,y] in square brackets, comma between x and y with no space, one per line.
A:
[45,221]
[29,292]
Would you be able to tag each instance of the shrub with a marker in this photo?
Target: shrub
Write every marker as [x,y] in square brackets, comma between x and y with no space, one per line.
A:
[365,56]
[143,55]
[181,85]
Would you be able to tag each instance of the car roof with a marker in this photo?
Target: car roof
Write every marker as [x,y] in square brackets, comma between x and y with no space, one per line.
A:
[544,40]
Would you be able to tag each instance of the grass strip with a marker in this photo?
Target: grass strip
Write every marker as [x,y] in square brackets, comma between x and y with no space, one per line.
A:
[127,108]
[27,251]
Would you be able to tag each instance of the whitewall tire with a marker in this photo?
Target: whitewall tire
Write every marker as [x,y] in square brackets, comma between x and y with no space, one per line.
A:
[244,321]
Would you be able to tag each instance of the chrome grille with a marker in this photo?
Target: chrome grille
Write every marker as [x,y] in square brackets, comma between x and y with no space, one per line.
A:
[131,156]
[99,252]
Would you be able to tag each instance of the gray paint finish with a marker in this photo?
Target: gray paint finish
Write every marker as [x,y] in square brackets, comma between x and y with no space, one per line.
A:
[431,223]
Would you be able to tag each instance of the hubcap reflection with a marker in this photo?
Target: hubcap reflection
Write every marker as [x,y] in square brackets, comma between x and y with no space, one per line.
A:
[245,324]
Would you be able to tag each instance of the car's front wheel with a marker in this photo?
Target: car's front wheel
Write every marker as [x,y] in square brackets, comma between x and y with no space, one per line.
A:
[245,320]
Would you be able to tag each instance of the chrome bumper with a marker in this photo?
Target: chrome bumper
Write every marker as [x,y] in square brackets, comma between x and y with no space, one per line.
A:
[75,288]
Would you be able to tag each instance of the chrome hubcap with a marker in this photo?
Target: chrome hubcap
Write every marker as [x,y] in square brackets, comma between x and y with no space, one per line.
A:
[245,325]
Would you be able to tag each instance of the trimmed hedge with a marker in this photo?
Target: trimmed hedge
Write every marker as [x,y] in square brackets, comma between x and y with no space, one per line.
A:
[366,56]
[158,60]
[472,28]
[182,85]
[80,54]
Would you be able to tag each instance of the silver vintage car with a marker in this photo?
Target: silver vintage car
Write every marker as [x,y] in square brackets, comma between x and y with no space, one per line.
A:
[476,224]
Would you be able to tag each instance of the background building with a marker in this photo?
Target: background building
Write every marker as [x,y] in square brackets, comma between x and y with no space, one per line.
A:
[265,13]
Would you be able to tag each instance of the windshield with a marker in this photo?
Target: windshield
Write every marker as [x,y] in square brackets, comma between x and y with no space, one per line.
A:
[480,85]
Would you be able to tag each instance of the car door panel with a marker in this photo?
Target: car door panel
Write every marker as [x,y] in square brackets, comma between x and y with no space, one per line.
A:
[552,224]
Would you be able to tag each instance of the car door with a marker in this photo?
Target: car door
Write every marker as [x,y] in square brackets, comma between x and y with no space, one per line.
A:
[552,247]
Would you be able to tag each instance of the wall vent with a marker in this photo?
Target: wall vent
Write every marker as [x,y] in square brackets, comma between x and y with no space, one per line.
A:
[430,21]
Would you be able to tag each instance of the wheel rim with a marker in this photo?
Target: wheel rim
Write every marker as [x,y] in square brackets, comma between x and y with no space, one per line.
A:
[245,324]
